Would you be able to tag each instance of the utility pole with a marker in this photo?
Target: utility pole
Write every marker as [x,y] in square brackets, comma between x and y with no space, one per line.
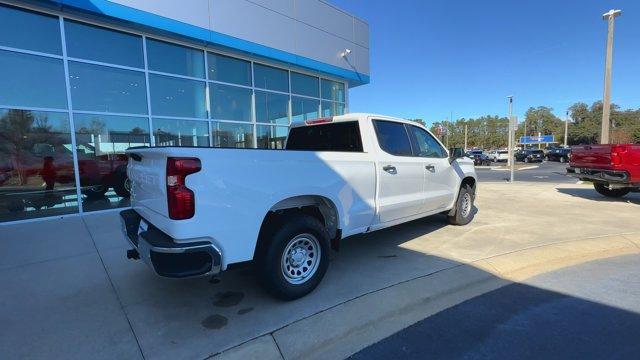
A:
[606,99]
[510,160]
[465,137]
[566,128]
[513,123]
[447,122]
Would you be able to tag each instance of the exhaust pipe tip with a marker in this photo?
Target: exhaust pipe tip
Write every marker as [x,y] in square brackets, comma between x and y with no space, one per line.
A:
[133,254]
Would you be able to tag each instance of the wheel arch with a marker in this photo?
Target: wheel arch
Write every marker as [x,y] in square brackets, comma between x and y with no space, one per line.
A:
[317,206]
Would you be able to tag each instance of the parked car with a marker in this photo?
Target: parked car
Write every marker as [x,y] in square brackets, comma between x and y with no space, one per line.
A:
[558,154]
[479,157]
[499,155]
[197,211]
[529,155]
[614,170]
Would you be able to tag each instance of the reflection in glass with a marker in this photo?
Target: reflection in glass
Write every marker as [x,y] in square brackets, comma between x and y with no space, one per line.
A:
[177,97]
[271,137]
[304,109]
[31,80]
[272,108]
[302,84]
[29,30]
[101,141]
[107,89]
[232,135]
[270,78]
[227,69]
[175,59]
[170,132]
[36,165]
[330,108]
[95,43]
[230,102]
[332,90]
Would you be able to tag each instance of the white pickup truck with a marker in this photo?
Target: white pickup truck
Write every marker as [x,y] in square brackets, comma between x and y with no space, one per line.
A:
[196,211]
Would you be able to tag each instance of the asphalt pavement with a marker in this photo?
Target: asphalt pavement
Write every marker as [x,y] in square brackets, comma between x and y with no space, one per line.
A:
[588,311]
[547,171]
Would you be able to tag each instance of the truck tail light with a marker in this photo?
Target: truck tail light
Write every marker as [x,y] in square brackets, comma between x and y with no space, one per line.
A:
[616,154]
[180,199]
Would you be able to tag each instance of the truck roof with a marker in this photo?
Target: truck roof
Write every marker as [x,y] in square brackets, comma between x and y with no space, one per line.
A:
[352,117]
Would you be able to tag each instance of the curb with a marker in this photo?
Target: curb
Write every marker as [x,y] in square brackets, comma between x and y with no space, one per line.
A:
[345,329]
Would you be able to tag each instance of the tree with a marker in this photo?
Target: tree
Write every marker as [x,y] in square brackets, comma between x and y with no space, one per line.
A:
[419,121]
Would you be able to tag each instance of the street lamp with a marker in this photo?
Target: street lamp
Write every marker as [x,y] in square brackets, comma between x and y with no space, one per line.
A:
[509,141]
[606,99]
[566,128]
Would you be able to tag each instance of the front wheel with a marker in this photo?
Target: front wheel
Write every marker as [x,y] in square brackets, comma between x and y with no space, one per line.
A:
[293,259]
[563,160]
[603,189]
[463,212]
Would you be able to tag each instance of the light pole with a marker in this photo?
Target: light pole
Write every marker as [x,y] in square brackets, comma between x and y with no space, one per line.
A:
[606,99]
[566,128]
[510,97]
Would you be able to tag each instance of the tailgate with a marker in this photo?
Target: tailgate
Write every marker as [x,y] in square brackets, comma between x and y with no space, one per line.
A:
[147,172]
[591,156]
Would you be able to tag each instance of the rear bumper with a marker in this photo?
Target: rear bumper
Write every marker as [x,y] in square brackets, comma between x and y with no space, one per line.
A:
[599,175]
[164,255]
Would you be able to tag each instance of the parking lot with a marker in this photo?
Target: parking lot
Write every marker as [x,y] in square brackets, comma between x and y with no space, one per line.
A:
[101,305]
[546,171]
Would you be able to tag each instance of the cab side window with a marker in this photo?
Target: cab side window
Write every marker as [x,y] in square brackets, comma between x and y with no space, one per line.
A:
[425,145]
[393,138]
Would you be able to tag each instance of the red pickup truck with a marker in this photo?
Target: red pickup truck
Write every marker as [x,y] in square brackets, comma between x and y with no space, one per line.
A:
[613,169]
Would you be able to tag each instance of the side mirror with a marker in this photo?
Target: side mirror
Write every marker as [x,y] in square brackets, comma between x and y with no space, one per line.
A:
[456,153]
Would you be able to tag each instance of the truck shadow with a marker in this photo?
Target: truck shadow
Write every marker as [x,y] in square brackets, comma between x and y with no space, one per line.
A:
[591,194]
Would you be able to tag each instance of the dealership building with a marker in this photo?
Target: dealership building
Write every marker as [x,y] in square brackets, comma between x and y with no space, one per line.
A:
[83,80]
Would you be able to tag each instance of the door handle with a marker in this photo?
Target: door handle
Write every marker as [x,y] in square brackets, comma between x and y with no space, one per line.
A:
[430,167]
[390,169]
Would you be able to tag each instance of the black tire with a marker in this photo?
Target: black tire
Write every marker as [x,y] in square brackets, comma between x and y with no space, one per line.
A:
[602,189]
[270,263]
[120,185]
[460,215]
[526,160]
[563,159]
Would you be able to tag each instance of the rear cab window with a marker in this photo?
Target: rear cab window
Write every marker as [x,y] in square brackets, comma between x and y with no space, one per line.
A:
[340,136]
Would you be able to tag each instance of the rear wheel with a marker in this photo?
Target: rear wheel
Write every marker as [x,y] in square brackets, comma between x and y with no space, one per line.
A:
[606,191]
[294,257]
[122,185]
[463,208]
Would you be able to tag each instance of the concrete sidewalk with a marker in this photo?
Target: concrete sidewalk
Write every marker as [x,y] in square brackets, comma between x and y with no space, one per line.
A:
[69,292]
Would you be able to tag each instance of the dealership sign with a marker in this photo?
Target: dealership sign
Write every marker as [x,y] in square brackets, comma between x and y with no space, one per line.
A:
[536,139]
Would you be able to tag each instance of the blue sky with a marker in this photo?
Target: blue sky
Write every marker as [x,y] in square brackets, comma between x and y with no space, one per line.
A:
[431,58]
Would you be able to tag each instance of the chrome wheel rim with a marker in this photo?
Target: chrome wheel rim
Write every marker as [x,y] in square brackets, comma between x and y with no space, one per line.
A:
[465,208]
[300,258]
[127,185]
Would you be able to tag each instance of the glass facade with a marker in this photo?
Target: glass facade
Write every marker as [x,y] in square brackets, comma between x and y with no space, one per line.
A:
[76,95]
[101,141]
[171,132]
